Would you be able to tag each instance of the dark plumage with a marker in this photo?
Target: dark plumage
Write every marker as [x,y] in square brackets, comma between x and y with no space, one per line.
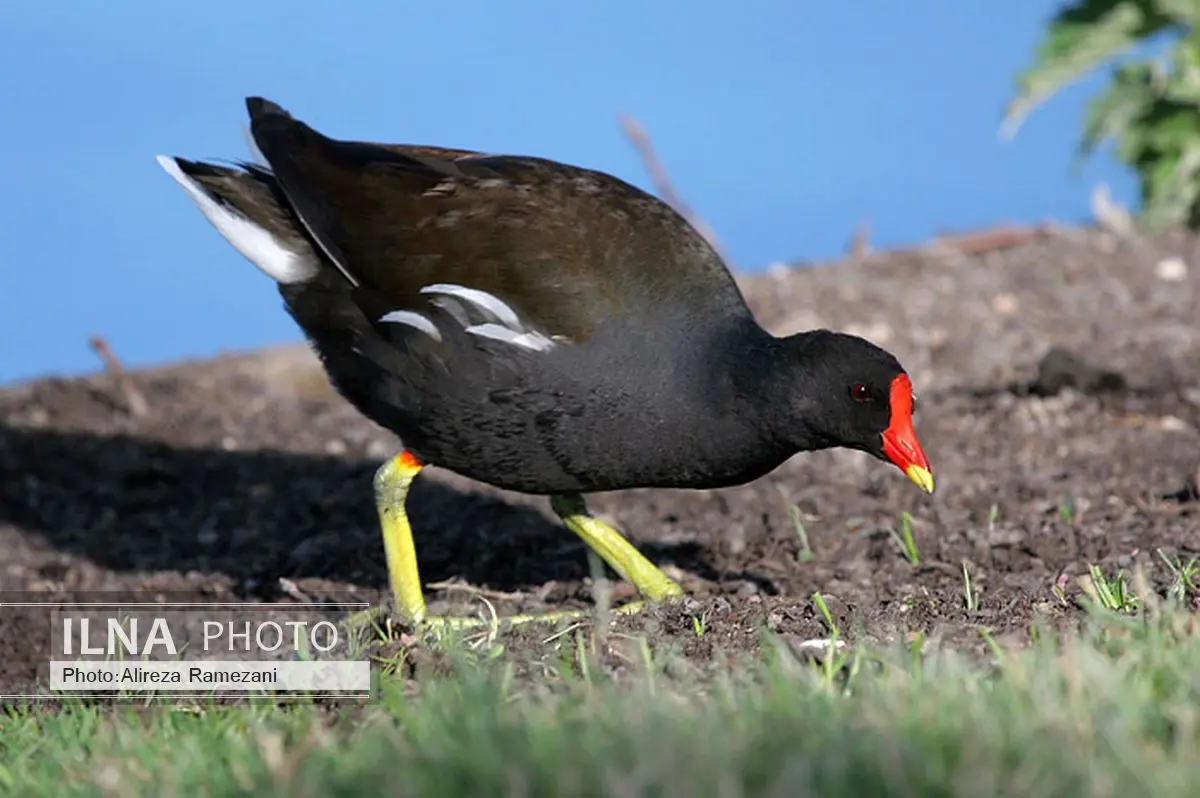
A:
[537,326]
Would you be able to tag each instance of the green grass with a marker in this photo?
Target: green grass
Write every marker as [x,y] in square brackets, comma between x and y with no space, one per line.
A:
[1185,581]
[1114,594]
[804,553]
[905,541]
[1114,712]
[970,592]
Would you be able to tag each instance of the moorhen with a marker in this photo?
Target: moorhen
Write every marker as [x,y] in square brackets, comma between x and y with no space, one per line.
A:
[540,327]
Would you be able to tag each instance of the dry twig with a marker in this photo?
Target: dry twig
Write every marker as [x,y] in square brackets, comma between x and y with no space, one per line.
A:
[135,402]
[481,592]
[662,183]
[860,242]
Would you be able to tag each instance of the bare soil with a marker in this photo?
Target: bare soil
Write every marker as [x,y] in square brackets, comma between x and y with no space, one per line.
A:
[1058,371]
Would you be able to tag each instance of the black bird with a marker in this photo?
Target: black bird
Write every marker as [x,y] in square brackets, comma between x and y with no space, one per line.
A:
[540,327]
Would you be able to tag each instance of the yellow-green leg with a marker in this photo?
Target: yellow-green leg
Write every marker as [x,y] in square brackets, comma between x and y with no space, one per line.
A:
[392,483]
[616,551]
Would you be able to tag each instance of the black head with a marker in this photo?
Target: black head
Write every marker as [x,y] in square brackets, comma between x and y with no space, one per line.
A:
[847,392]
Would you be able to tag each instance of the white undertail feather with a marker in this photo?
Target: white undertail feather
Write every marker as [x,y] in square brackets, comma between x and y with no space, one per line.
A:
[287,266]
[254,242]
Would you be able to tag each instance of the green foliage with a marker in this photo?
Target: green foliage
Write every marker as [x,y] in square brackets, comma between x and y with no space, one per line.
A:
[1114,594]
[1109,712]
[905,540]
[1151,108]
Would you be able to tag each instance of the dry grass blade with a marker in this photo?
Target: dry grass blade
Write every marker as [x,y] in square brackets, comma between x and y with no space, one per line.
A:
[135,402]
[662,183]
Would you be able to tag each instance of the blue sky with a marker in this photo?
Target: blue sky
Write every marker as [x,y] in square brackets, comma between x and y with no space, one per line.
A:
[783,123]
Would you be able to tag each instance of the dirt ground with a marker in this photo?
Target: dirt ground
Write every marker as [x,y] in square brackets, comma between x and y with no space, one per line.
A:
[246,477]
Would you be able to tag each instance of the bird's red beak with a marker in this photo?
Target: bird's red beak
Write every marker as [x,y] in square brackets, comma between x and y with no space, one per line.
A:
[900,443]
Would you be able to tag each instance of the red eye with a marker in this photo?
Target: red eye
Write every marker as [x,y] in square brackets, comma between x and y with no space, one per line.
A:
[860,393]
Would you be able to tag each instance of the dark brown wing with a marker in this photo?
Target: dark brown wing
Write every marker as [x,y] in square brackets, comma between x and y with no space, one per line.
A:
[565,247]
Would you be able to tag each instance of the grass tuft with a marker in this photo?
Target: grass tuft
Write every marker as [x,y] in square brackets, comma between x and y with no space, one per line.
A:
[1185,577]
[905,541]
[970,592]
[1109,712]
[1113,594]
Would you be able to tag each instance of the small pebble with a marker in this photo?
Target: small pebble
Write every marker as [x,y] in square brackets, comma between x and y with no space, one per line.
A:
[1171,270]
[1173,424]
[821,644]
[722,606]
[1005,304]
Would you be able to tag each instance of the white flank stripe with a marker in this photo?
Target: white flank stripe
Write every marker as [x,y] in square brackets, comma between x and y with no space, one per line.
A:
[488,303]
[413,319]
[526,340]
[454,308]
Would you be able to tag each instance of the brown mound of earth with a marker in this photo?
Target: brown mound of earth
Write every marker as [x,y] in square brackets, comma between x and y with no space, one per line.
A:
[1059,379]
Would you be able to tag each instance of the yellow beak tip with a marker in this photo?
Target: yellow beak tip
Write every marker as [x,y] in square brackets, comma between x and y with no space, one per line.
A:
[921,476]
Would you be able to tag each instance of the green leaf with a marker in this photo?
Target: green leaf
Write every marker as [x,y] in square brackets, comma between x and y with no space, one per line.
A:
[1184,83]
[1150,110]
[1182,11]
[1171,188]
[1080,38]
[1113,113]
[1170,127]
